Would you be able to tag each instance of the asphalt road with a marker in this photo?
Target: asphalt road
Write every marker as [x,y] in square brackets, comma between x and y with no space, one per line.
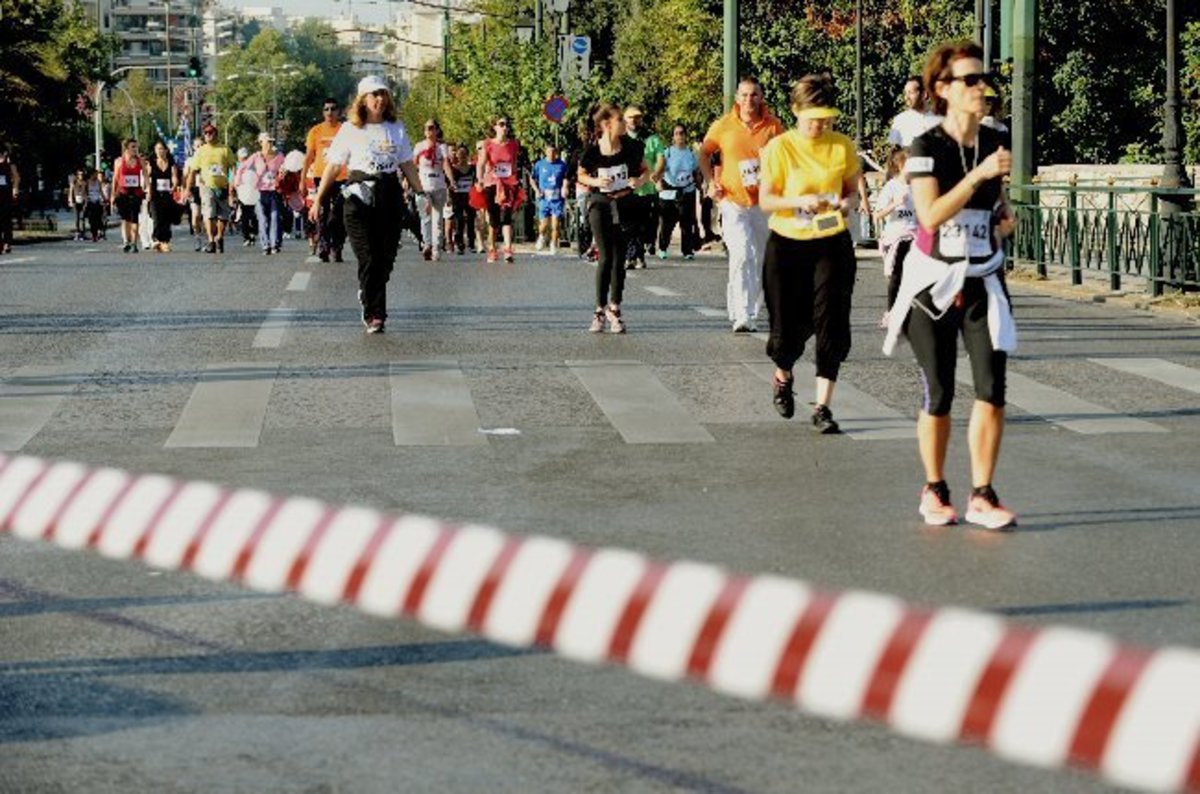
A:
[240,369]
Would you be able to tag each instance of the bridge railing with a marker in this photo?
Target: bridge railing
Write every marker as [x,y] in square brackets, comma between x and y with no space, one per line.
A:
[1119,231]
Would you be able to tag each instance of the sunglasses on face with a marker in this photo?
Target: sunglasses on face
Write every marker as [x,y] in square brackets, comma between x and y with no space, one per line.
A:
[330,108]
[971,80]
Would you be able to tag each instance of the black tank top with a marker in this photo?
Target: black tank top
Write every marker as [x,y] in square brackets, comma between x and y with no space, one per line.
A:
[157,175]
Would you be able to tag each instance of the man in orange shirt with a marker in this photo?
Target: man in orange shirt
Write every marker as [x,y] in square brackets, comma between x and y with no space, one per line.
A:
[331,232]
[737,138]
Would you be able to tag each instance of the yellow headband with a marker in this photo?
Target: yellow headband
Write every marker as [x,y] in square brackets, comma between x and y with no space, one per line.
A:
[818,113]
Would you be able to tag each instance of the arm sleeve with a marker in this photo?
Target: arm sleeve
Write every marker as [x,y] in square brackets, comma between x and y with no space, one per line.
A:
[920,159]
[339,148]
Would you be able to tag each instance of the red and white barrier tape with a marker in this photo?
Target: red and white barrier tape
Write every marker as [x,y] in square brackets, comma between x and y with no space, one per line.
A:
[1048,697]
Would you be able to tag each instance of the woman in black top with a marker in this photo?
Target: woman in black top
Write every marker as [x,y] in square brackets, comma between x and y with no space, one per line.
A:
[953,281]
[612,167]
[162,178]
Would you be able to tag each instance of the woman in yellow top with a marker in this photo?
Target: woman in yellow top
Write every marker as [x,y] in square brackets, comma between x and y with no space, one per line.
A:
[809,180]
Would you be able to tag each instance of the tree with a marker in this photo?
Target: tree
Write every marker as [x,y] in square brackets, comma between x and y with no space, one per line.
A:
[50,54]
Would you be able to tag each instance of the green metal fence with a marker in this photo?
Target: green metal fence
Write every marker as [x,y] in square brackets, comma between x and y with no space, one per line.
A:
[1119,231]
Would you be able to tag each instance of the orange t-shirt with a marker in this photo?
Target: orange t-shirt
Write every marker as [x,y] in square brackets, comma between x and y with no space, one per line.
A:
[739,144]
[318,140]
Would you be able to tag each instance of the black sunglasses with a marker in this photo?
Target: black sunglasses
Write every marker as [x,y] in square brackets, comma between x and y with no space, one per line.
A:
[330,108]
[971,80]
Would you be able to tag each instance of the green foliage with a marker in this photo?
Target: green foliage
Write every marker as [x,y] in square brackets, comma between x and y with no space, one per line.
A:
[293,73]
[1190,87]
[49,55]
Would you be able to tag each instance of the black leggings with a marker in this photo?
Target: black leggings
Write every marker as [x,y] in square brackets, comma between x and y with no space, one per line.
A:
[604,216]
[374,237]
[7,211]
[94,211]
[893,287]
[935,343]
[808,285]
[162,207]
[464,220]
[681,210]
[497,216]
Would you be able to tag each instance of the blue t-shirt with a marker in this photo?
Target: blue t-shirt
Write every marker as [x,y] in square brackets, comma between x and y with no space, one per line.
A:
[681,164]
[550,177]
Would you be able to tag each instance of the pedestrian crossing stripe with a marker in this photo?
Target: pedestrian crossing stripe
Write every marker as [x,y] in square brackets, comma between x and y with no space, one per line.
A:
[432,404]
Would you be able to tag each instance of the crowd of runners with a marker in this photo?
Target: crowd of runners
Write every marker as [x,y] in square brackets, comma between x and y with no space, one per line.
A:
[787,199]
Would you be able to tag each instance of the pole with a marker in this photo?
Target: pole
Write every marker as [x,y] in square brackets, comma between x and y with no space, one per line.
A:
[1024,79]
[537,21]
[987,35]
[858,76]
[730,50]
[98,118]
[170,95]
[1174,174]
[1006,30]
[980,29]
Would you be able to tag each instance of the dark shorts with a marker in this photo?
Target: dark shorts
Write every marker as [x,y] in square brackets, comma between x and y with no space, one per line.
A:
[129,206]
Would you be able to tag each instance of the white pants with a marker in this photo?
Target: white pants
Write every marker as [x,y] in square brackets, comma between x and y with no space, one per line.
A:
[744,231]
[430,207]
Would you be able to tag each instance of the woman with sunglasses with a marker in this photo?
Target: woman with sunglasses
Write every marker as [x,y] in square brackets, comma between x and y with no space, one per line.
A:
[953,282]
[496,170]
[808,182]
[433,164]
[612,167]
[375,149]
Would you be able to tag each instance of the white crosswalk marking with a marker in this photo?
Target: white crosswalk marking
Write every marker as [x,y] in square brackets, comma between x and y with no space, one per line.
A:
[860,415]
[227,407]
[640,407]
[1063,409]
[432,405]
[1176,375]
[662,292]
[299,282]
[709,311]
[28,398]
[270,333]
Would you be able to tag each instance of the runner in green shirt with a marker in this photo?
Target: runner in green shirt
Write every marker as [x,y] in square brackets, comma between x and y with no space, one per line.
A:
[641,227]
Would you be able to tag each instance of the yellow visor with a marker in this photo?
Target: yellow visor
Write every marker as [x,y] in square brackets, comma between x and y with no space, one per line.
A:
[818,113]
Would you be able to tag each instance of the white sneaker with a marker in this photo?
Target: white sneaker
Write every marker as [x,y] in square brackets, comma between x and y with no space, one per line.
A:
[553,249]
[541,243]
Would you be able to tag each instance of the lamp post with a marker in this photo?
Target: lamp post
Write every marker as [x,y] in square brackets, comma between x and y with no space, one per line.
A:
[858,76]
[98,116]
[729,55]
[1174,174]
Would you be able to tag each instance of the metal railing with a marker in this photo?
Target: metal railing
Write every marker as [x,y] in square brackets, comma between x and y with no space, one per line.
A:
[1118,231]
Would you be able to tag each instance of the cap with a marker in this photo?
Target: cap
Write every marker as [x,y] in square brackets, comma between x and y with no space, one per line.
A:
[633,110]
[819,113]
[265,136]
[243,153]
[372,83]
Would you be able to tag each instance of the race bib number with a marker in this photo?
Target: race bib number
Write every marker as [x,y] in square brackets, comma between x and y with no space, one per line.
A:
[3,180]
[668,195]
[216,170]
[749,170]
[967,234]
[503,170]
[131,181]
[464,184]
[432,178]
[683,180]
[619,174]
[162,185]
[268,182]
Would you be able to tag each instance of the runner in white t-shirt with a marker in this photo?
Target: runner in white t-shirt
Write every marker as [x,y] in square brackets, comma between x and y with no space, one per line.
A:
[433,164]
[914,120]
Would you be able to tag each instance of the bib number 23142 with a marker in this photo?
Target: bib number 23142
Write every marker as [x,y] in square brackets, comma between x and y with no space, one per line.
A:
[969,233]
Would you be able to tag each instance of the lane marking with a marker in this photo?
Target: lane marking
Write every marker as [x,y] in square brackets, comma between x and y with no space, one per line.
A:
[432,405]
[662,292]
[29,397]
[1062,408]
[638,405]
[18,260]
[299,282]
[861,416]
[709,311]
[270,333]
[227,407]
[1175,375]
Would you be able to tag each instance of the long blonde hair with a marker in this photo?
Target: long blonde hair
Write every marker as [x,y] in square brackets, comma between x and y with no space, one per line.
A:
[356,114]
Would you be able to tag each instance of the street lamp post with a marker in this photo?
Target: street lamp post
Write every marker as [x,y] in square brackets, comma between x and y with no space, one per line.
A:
[98,116]
[858,76]
[1174,174]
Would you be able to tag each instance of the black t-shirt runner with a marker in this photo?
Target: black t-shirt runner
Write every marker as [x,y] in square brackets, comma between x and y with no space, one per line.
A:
[970,232]
[621,167]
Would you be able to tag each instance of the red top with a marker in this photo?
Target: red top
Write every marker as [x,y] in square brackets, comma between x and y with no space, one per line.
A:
[127,177]
[500,162]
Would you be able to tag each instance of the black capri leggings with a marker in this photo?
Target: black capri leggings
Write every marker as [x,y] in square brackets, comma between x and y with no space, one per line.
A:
[808,285]
[497,216]
[604,216]
[935,343]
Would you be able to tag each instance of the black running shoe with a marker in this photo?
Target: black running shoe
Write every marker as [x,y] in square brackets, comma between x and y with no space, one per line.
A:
[785,399]
[823,422]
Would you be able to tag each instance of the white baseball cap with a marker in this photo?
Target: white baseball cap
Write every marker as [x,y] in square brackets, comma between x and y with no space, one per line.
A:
[372,83]
[265,136]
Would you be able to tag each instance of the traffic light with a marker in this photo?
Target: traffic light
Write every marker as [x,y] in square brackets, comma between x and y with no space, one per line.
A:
[195,67]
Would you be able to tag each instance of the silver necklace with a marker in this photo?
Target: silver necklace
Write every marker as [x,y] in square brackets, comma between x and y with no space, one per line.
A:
[962,156]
